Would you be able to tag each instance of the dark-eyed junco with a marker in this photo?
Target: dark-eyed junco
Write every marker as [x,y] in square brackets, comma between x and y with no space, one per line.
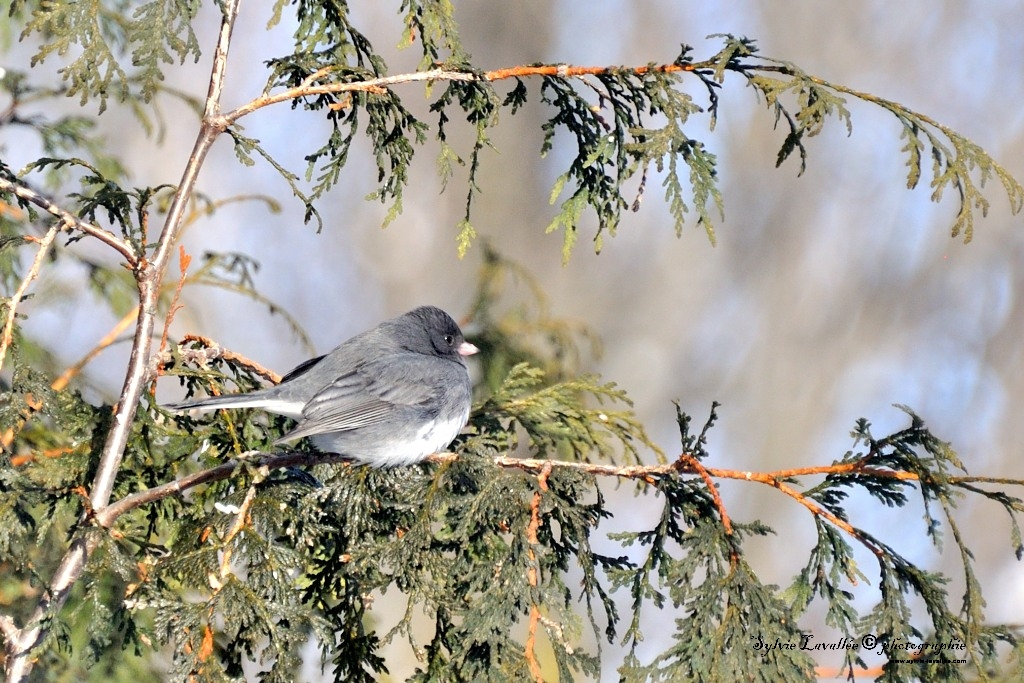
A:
[387,397]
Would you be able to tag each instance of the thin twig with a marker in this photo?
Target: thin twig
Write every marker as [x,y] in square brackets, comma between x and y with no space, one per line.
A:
[533,573]
[108,515]
[569,71]
[819,511]
[70,221]
[184,260]
[241,519]
[690,463]
[7,437]
[7,335]
[773,479]
[857,467]
[211,350]
[370,85]
[109,338]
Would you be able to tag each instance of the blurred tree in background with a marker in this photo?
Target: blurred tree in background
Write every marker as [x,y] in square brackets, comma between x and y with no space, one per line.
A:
[143,545]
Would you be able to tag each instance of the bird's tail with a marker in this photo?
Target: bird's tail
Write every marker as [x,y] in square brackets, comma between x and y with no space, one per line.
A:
[217,402]
[255,399]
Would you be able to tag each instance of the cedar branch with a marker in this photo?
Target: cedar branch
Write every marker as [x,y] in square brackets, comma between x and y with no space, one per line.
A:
[70,221]
[309,85]
[106,516]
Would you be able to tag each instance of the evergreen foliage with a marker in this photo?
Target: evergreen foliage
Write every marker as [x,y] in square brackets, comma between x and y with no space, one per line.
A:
[128,532]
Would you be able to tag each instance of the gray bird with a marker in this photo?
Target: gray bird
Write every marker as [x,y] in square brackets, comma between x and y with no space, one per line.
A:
[387,397]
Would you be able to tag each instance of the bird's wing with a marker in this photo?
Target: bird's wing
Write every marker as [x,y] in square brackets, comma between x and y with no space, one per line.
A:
[369,394]
[301,369]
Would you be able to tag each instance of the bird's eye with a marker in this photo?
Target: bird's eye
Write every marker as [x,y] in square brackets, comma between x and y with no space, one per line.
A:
[449,339]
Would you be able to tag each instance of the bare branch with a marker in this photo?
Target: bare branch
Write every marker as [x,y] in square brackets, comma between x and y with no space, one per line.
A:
[7,334]
[108,515]
[149,275]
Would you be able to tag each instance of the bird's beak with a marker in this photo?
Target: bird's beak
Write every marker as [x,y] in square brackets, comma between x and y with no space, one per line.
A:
[467,349]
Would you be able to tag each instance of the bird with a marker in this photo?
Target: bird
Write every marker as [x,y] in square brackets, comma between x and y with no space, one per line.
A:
[387,397]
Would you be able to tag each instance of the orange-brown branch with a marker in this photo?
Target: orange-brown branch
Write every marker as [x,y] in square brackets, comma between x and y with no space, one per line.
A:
[184,260]
[819,511]
[314,85]
[242,520]
[109,338]
[567,71]
[774,479]
[533,573]
[688,462]
[212,350]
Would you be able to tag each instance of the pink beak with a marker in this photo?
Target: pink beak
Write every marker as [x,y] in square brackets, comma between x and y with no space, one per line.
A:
[467,349]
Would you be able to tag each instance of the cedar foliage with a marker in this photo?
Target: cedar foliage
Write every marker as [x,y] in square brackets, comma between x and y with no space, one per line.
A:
[106,561]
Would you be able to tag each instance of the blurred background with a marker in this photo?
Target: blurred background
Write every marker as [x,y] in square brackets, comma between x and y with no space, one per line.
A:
[829,296]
